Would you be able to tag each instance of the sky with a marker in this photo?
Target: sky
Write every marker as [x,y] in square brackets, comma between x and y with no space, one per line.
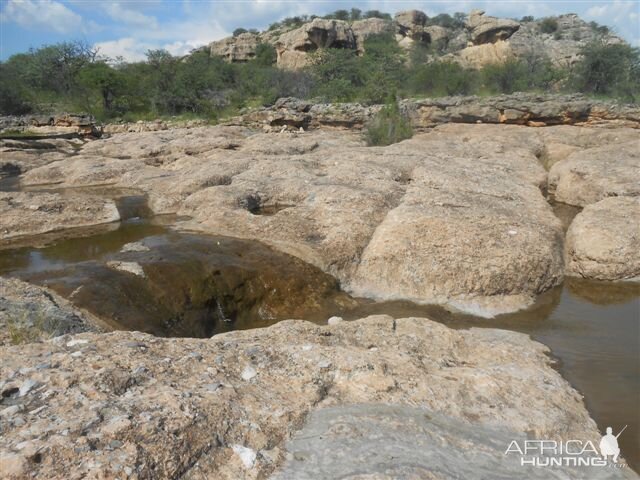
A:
[129,28]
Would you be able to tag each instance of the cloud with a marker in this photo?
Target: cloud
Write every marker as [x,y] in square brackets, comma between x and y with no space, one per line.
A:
[129,16]
[128,48]
[42,14]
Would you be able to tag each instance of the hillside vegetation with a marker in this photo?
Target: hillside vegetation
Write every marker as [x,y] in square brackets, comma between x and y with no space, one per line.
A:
[73,76]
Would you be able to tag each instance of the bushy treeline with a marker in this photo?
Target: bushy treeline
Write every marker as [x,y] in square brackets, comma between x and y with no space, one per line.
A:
[73,77]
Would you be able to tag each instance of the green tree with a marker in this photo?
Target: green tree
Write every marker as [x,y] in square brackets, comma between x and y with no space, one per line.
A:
[548,25]
[609,70]
[507,77]
[265,55]
[388,126]
[103,79]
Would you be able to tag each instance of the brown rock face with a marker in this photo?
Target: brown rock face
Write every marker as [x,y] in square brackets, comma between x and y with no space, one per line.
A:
[603,242]
[292,47]
[362,29]
[485,29]
[132,405]
[410,27]
[478,56]
[241,48]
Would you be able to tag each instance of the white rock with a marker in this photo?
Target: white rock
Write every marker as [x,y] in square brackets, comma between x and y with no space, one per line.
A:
[248,373]
[27,386]
[247,455]
[76,341]
[335,320]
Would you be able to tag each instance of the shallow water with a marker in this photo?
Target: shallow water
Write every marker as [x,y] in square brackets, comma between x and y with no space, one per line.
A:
[592,328]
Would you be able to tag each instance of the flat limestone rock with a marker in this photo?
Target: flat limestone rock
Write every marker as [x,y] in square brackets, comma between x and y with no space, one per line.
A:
[603,241]
[465,204]
[33,213]
[127,403]
[585,177]
[381,441]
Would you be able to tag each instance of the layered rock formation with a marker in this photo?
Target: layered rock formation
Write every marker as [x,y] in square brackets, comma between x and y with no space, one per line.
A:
[130,405]
[60,125]
[482,40]
[535,110]
[486,29]
[292,47]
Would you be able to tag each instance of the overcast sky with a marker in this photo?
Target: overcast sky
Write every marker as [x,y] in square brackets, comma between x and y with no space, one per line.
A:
[130,28]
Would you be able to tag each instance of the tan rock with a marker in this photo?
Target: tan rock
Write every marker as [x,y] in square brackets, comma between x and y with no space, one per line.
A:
[31,213]
[478,56]
[410,27]
[486,29]
[585,177]
[603,242]
[292,47]
[362,29]
[154,405]
[240,48]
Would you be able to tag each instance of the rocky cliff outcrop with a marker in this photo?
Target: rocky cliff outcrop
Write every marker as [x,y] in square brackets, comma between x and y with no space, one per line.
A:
[130,405]
[519,109]
[483,40]
[292,47]
[66,124]
[240,48]
[486,29]
[562,46]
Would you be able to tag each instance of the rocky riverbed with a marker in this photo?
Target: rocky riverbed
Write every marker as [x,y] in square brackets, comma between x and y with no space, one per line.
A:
[264,226]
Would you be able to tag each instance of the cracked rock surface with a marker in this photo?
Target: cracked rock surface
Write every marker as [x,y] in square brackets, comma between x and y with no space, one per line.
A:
[130,405]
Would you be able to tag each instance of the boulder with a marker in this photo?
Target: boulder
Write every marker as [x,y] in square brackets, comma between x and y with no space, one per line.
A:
[588,176]
[292,47]
[478,56]
[603,241]
[410,27]
[486,29]
[362,29]
[131,404]
[240,48]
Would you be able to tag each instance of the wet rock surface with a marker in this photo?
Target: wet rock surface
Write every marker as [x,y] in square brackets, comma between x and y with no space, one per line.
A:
[33,213]
[130,405]
[603,242]
[190,285]
[325,198]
